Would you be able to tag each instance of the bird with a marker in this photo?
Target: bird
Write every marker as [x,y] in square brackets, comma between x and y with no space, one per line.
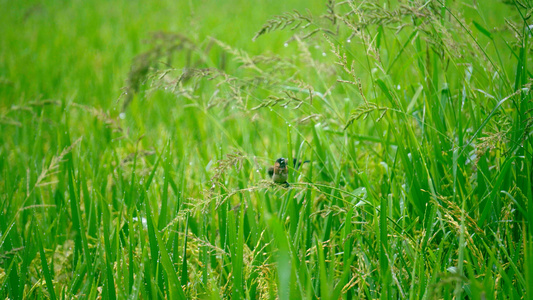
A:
[280,172]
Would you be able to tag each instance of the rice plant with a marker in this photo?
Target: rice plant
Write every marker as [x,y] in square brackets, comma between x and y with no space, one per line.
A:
[136,140]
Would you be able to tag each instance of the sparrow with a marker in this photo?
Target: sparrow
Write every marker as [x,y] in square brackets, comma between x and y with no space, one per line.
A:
[279,172]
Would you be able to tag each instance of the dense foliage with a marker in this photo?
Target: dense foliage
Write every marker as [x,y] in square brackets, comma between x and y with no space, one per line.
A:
[135,139]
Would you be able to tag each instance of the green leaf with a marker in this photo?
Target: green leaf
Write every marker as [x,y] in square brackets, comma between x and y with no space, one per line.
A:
[483,30]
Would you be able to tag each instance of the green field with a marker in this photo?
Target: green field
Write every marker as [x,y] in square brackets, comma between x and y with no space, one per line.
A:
[135,138]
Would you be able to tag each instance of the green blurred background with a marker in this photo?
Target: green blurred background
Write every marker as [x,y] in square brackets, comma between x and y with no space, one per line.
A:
[83,50]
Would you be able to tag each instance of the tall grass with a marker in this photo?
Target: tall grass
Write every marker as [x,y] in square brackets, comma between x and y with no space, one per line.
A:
[139,170]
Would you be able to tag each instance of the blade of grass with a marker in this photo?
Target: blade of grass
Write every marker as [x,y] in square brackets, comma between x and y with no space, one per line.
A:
[46,270]
[106,222]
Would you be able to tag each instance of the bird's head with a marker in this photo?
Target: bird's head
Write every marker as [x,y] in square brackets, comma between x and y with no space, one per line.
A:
[282,162]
